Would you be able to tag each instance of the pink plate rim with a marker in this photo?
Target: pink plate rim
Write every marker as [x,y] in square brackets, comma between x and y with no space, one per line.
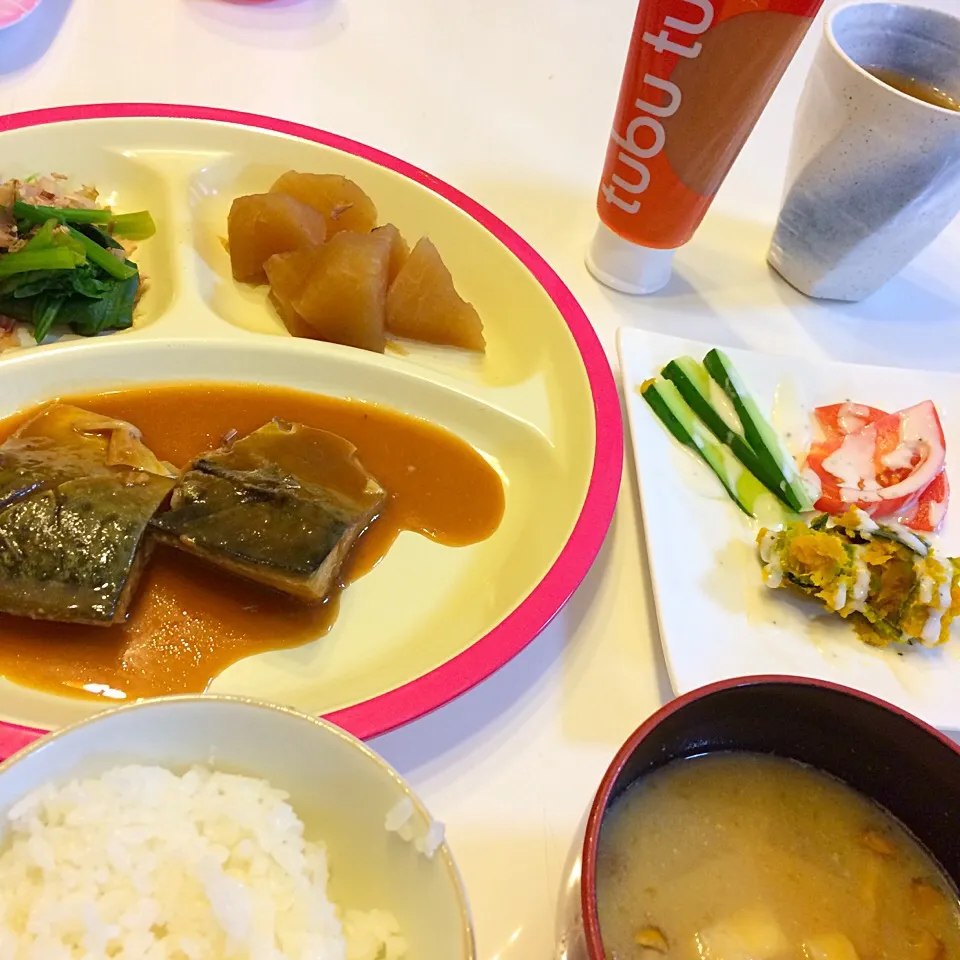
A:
[444,683]
[13,11]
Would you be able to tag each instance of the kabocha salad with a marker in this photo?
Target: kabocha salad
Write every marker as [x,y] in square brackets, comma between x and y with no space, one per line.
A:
[858,502]
[64,260]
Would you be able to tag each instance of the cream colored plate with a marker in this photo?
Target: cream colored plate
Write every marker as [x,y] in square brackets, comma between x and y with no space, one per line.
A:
[429,621]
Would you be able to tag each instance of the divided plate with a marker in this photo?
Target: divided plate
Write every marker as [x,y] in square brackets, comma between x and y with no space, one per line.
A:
[717,619]
[430,621]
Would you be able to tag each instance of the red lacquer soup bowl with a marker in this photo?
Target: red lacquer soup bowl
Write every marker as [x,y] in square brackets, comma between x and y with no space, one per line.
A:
[905,766]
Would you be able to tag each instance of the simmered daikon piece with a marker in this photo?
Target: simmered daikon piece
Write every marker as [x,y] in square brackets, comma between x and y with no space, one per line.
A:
[399,248]
[263,224]
[344,296]
[424,305]
[287,274]
[343,204]
[295,324]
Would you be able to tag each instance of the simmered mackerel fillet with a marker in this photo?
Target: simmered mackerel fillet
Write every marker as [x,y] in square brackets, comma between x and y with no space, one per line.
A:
[281,506]
[886,579]
[77,491]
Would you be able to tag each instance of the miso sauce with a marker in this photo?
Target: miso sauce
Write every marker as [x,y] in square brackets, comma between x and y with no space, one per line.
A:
[742,855]
[189,620]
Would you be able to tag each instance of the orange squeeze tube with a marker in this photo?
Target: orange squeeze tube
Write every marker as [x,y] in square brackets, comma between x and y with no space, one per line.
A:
[698,75]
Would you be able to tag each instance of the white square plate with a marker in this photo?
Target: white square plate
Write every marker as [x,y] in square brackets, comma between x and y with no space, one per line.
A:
[717,619]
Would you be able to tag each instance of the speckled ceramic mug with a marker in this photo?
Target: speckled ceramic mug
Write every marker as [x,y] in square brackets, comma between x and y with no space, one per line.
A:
[874,174]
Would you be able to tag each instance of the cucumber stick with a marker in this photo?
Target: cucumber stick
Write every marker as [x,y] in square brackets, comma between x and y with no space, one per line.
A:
[665,401]
[693,383]
[760,435]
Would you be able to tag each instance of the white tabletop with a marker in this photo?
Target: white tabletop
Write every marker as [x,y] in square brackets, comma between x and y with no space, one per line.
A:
[511,101]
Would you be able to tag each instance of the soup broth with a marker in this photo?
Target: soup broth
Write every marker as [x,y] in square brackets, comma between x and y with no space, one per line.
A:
[738,856]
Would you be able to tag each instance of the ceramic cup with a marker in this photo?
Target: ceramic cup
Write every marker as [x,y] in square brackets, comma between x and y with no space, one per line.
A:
[874,174]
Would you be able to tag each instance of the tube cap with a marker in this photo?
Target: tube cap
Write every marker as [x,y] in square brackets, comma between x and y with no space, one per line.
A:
[625,266]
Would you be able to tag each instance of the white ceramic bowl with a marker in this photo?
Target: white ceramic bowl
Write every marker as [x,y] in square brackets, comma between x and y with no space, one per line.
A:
[340,788]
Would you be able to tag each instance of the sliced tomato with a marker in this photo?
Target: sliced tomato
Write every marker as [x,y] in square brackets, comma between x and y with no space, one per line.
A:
[839,419]
[836,421]
[884,466]
[831,498]
[931,508]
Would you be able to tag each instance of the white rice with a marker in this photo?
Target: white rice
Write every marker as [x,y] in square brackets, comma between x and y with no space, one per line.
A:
[399,820]
[142,863]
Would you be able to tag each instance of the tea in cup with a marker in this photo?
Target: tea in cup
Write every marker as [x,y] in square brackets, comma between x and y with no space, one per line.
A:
[874,171]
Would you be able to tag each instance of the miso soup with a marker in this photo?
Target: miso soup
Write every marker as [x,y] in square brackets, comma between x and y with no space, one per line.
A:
[739,856]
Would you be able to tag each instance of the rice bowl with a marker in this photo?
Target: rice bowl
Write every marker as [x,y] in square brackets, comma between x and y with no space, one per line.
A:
[190,851]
